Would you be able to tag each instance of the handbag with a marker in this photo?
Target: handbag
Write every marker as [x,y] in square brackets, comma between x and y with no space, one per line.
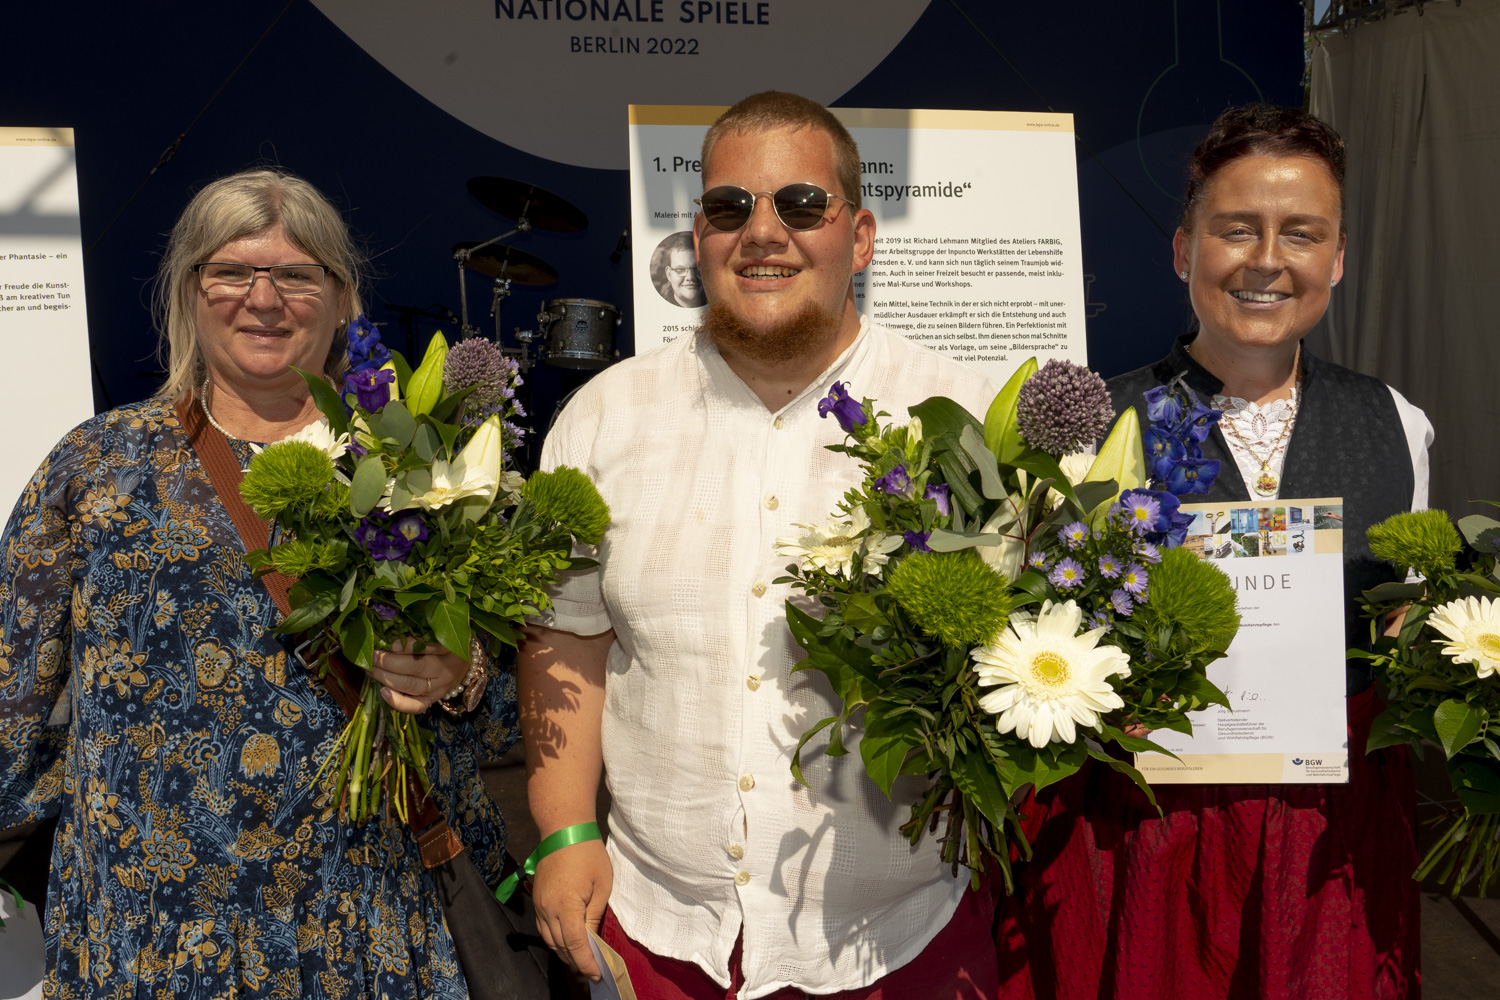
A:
[476,921]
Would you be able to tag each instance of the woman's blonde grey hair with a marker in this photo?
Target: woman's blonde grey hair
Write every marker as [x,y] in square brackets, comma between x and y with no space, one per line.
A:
[228,209]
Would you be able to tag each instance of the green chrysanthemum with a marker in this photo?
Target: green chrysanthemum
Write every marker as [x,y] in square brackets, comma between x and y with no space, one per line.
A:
[304,555]
[332,504]
[952,596]
[566,496]
[1423,540]
[288,475]
[1193,598]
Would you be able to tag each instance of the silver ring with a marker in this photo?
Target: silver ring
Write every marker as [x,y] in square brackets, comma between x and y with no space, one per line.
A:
[429,687]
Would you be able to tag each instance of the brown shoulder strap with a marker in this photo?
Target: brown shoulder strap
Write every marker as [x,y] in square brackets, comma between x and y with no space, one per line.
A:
[435,838]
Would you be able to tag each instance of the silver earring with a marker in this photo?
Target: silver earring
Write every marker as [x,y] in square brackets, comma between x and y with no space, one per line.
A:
[1333,283]
[1182,275]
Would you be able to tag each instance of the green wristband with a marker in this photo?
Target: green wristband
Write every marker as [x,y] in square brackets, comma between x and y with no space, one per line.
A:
[566,837]
[20,903]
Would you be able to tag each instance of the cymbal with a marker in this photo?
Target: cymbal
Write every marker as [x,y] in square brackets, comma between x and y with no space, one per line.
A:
[542,208]
[507,262]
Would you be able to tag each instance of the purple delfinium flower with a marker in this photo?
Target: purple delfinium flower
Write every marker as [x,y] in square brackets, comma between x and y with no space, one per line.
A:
[375,538]
[1162,407]
[1121,601]
[385,612]
[1074,534]
[939,493]
[410,525]
[918,540]
[1133,580]
[847,411]
[371,386]
[1193,475]
[362,339]
[1199,422]
[1109,567]
[1163,450]
[1067,574]
[896,482]
[1142,510]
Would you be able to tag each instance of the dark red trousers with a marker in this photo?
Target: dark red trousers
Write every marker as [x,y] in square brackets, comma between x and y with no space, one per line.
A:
[958,964]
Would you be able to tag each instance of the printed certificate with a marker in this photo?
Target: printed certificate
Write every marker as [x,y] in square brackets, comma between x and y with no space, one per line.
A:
[1284,674]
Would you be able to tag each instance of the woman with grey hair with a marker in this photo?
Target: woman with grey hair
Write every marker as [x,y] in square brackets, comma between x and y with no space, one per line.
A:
[198,853]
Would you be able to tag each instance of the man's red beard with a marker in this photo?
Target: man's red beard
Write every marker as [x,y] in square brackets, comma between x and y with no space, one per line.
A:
[805,334]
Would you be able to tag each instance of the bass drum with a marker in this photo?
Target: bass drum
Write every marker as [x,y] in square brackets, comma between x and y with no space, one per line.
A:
[578,333]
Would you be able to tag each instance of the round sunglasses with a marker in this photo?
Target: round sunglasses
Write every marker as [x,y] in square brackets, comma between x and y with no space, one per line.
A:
[799,206]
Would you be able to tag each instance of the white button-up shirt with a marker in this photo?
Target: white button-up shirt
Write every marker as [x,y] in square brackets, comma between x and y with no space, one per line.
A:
[710,835]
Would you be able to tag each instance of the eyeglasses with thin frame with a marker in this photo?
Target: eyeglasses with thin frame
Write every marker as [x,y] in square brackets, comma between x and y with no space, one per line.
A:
[799,206]
[221,278]
[682,272]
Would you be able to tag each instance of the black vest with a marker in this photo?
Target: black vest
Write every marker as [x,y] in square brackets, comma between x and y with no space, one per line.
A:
[1348,441]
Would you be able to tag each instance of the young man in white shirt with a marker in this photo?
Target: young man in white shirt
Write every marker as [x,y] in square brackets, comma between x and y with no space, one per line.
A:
[671,660]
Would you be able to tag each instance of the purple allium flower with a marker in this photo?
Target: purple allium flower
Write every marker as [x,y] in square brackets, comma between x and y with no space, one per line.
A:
[1063,408]
[371,386]
[1133,580]
[1073,535]
[1121,601]
[1148,553]
[939,492]
[1067,574]
[1162,407]
[1193,475]
[480,363]
[918,540]
[849,413]
[410,525]
[896,482]
[1142,510]
[1109,567]
[385,612]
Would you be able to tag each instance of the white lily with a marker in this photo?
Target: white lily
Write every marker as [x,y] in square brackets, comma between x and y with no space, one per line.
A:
[474,473]
[1006,557]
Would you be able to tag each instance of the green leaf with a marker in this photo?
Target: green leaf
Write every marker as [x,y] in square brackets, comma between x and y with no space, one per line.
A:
[450,623]
[1043,767]
[1483,533]
[943,540]
[1458,724]
[367,486]
[797,754]
[327,400]
[1477,786]
[1394,592]
[941,415]
[1135,744]
[346,594]
[402,369]
[975,777]
[849,667]
[1130,772]
[1044,466]
[357,638]
[426,442]
[1093,495]
[1002,435]
[957,479]
[419,480]
[396,423]
[305,616]
[860,612]
[989,470]
[1203,691]
[1384,732]
[885,744]
[444,411]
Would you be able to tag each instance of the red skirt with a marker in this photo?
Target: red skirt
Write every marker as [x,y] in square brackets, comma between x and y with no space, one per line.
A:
[1300,892]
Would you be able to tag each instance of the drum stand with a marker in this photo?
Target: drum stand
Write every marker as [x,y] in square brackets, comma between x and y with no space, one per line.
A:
[461,257]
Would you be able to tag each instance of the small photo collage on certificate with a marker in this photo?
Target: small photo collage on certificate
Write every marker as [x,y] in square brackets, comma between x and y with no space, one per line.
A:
[1269,529]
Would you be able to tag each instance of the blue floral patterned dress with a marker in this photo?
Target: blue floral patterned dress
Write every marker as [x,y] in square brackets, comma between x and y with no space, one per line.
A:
[196,855]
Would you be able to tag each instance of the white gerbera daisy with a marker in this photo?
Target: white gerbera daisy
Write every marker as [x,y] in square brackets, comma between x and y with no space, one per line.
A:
[1050,677]
[1472,626]
[318,434]
[831,546]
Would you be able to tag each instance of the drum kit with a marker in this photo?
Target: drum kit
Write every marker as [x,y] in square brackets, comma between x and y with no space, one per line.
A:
[569,333]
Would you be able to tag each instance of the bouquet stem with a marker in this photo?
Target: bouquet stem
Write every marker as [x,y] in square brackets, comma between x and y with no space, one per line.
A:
[378,752]
[1467,840]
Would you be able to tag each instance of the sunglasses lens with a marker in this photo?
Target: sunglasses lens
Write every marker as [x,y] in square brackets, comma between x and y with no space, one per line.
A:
[800,206]
[727,208]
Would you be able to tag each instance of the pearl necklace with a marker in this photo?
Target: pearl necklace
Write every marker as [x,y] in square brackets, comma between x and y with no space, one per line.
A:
[203,402]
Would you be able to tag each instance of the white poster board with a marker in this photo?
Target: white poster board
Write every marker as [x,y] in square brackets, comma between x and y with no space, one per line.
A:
[1284,674]
[977,248]
[43,322]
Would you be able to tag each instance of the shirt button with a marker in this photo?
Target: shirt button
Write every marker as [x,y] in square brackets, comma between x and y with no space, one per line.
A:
[753,683]
[741,878]
[759,590]
[746,783]
[736,851]
[772,503]
[778,423]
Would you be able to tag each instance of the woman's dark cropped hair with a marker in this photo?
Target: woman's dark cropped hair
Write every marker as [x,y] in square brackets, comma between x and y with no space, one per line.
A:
[1262,130]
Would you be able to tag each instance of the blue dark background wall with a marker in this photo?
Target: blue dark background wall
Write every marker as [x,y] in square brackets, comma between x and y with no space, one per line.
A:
[1143,80]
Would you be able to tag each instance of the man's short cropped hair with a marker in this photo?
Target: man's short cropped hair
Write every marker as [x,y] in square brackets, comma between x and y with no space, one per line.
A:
[779,109]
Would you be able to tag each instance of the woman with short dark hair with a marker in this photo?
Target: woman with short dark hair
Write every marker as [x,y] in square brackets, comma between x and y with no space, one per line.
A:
[1286,891]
